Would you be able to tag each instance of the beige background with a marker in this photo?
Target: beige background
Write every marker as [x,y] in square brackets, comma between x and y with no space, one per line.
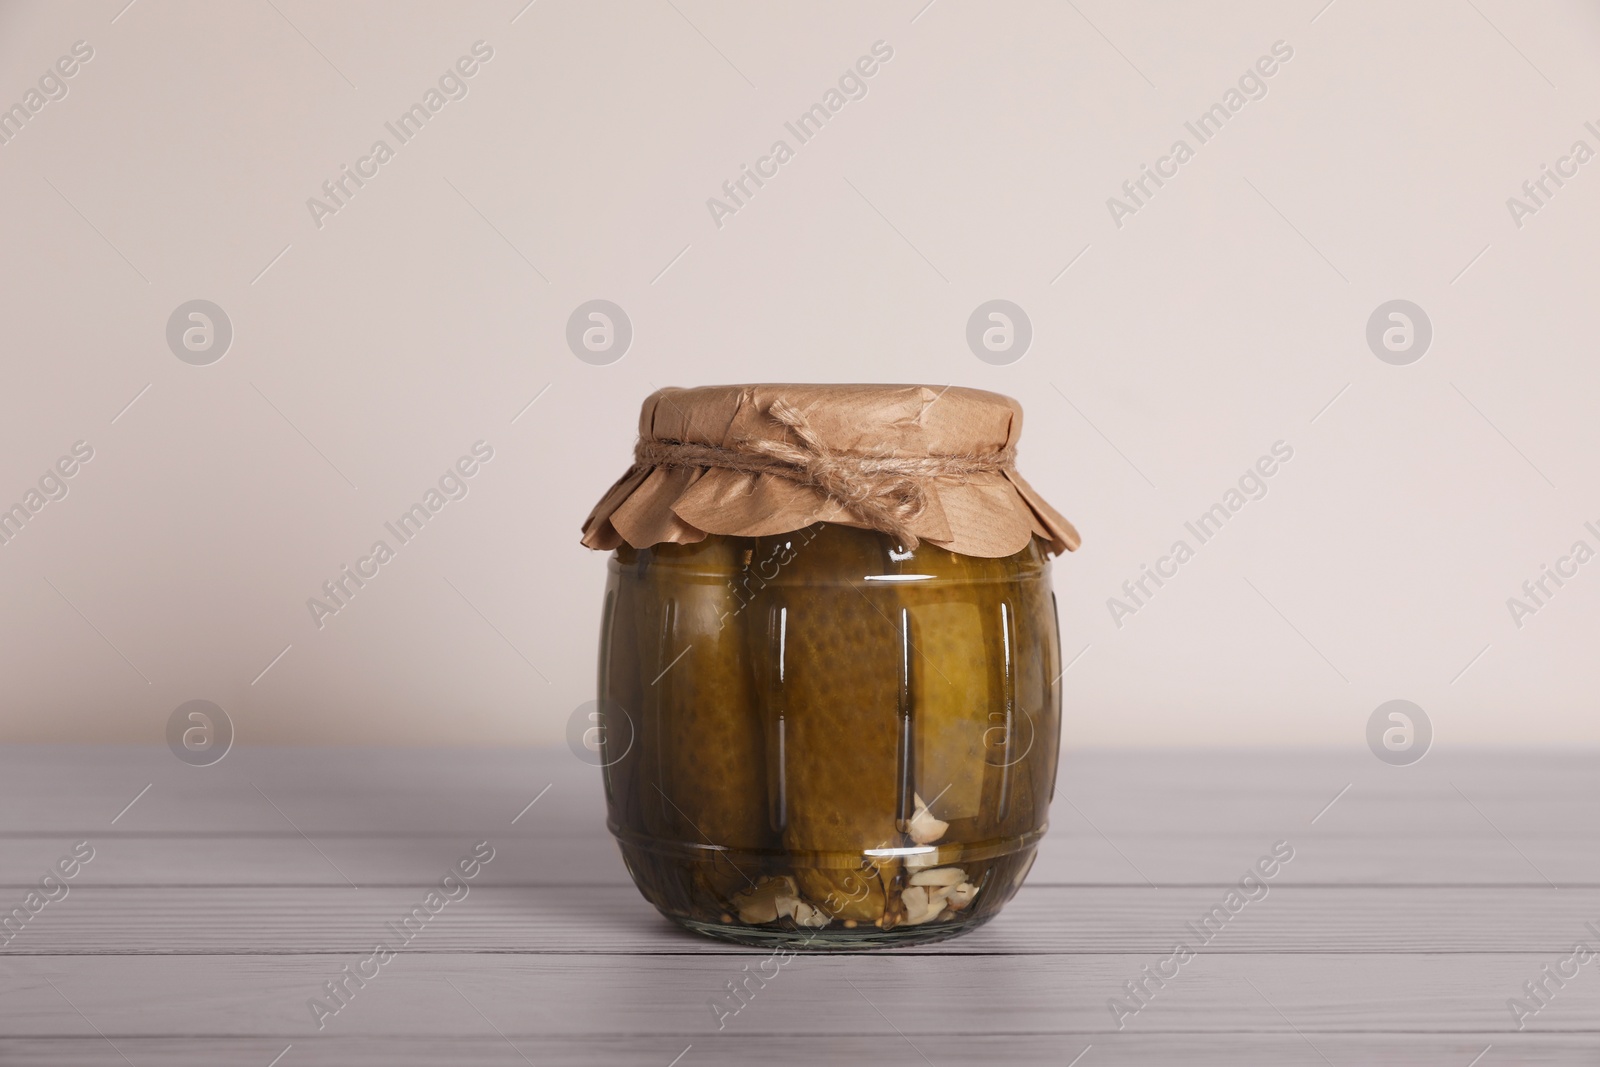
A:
[370,353]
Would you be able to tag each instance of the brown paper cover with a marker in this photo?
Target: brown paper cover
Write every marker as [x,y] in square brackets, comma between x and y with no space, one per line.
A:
[986,514]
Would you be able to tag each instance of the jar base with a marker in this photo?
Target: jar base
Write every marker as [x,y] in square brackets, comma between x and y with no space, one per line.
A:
[834,938]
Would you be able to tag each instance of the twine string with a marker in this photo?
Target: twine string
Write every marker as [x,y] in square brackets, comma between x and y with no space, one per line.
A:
[886,493]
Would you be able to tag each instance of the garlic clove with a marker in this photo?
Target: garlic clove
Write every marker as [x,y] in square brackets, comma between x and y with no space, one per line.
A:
[945,876]
[771,898]
[960,896]
[915,900]
[759,910]
[923,904]
[924,828]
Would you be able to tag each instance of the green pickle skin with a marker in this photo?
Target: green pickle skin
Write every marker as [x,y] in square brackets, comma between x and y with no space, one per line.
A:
[839,698]
[698,771]
[791,702]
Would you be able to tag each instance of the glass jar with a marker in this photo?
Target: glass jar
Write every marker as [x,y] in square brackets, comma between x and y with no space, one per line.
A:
[822,739]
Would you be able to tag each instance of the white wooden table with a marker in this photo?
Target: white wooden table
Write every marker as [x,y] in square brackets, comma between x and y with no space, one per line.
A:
[221,901]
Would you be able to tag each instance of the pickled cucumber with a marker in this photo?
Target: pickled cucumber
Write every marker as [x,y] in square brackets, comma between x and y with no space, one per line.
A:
[835,688]
[701,742]
[831,732]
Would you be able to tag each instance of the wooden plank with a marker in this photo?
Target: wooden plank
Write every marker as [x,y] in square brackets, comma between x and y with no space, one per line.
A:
[583,854]
[77,790]
[740,1050]
[616,920]
[1165,817]
[71,790]
[935,997]
[218,904]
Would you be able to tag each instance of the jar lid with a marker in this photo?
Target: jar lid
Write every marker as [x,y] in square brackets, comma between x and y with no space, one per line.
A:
[918,462]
